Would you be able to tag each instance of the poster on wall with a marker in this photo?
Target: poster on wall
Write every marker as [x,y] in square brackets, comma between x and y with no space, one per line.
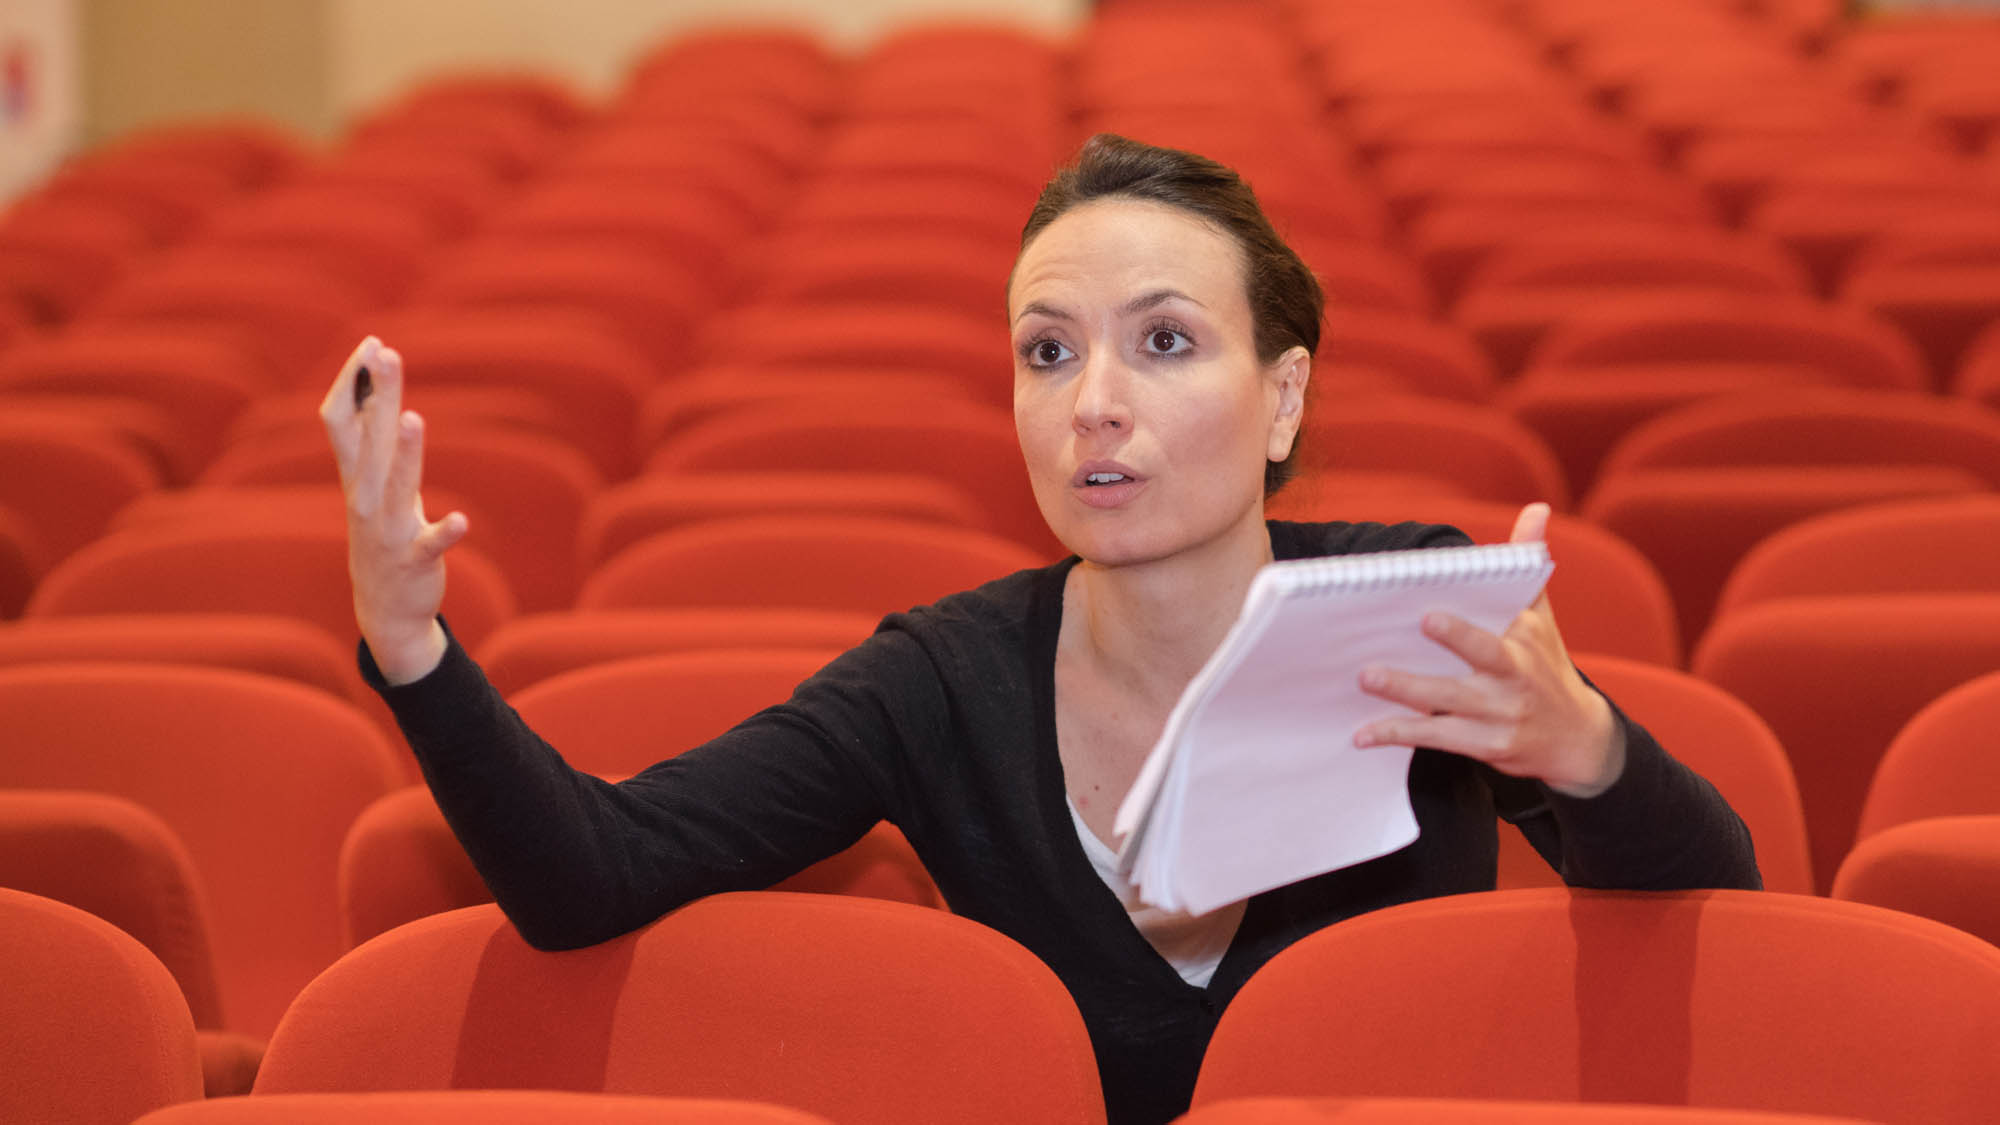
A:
[39,92]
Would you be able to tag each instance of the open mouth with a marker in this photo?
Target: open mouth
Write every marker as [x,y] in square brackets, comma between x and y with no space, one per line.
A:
[1096,479]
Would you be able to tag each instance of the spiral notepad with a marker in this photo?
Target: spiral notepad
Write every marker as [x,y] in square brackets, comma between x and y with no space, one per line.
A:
[1255,782]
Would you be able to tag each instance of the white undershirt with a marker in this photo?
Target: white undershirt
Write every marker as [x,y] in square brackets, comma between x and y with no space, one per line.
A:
[1192,943]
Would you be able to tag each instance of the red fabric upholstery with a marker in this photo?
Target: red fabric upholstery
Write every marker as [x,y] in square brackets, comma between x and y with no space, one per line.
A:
[1523,291]
[298,572]
[617,718]
[289,313]
[1736,328]
[1706,998]
[1978,375]
[1719,738]
[1941,308]
[199,381]
[270,645]
[1696,524]
[1583,412]
[530,487]
[587,381]
[625,513]
[612,719]
[1949,544]
[1480,450]
[684,223]
[884,1012]
[1406,354]
[1837,677]
[452,190]
[681,404]
[854,563]
[650,304]
[55,255]
[850,336]
[1946,868]
[479,1107]
[258,777]
[401,862]
[536,646]
[108,856]
[97,1032]
[21,564]
[370,240]
[951,272]
[65,480]
[115,860]
[1941,763]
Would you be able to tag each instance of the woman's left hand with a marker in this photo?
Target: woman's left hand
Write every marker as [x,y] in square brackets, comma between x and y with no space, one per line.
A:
[1523,708]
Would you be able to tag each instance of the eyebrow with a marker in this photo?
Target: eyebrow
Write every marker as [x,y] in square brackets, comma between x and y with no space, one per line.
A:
[1156,298]
[1042,308]
[1147,300]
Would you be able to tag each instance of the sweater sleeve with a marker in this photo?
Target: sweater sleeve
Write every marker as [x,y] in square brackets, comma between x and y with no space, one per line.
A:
[1660,826]
[573,859]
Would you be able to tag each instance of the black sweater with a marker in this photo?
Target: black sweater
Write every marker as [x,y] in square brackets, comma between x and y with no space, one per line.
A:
[943,723]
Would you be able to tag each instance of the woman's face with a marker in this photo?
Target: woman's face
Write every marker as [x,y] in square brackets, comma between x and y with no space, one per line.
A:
[1143,412]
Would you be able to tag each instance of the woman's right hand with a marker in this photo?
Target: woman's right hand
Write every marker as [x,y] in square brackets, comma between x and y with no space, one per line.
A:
[394,555]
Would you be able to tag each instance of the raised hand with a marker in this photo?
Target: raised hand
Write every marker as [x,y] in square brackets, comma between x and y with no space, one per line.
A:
[395,556]
[1522,708]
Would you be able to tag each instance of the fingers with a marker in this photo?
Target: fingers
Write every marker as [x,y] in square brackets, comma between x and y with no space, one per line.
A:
[380,425]
[336,410]
[437,538]
[406,465]
[1432,695]
[1453,734]
[1483,651]
[1532,525]
[339,400]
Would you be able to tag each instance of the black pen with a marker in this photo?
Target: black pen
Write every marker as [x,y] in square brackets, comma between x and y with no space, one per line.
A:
[364,384]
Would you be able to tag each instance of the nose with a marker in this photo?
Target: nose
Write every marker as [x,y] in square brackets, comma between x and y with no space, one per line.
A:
[1102,403]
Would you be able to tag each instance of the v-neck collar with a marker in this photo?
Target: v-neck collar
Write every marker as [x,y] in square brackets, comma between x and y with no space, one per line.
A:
[1080,879]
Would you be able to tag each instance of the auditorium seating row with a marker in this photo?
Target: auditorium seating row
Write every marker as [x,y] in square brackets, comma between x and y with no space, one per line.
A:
[248,870]
[862,1010]
[717,370]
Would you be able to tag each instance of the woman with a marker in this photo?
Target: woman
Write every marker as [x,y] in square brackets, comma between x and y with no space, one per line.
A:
[1163,338]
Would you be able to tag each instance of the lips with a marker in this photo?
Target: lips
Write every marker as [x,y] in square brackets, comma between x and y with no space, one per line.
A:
[1105,484]
[1102,474]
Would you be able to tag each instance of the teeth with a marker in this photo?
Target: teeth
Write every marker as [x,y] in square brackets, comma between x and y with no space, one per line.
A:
[1104,478]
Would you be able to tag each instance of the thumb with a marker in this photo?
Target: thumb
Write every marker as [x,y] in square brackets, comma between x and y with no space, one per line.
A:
[1532,525]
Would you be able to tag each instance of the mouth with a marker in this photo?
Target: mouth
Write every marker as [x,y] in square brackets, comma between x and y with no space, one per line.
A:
[1101,484]
[1102,474]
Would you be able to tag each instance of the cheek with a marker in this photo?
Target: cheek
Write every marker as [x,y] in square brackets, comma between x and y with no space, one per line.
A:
[1224,429]
[1032,422]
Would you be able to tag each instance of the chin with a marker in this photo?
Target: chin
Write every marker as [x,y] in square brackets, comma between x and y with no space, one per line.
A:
[1132,543]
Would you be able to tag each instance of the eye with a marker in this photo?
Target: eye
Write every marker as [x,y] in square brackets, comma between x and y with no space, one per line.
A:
[1167,340]
[1045,352]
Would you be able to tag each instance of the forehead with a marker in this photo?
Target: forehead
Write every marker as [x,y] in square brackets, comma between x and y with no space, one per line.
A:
[1109,249]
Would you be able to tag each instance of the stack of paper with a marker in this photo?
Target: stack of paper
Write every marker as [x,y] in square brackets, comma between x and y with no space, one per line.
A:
[1256,782]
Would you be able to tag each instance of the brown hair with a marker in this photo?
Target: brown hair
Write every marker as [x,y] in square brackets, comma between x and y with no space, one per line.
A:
[1285,298]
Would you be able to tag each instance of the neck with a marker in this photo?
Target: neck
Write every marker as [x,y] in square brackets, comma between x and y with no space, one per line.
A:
[1151,626]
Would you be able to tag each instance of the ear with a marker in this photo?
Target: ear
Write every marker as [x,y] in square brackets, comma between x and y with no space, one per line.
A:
[1288,378]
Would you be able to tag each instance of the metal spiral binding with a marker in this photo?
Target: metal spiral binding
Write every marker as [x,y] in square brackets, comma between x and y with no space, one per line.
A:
[1442,566]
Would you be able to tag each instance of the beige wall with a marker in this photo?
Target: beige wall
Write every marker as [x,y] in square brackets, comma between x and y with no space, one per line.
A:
[312,63]
[379,46]
[154,60]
